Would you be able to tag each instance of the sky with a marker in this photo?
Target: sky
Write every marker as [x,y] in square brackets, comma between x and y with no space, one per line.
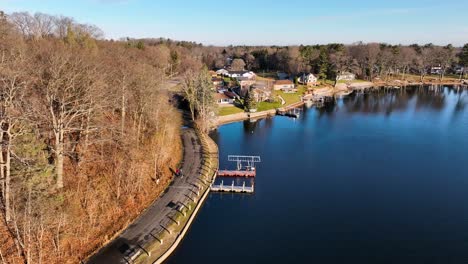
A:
[263,22]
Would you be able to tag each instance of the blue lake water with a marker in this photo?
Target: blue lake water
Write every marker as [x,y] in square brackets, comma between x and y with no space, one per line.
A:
[376,178]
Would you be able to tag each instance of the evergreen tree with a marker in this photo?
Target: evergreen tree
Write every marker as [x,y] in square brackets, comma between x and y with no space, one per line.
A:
[249,101]
[464,56]
[71,36]
[140,45]
[323,64]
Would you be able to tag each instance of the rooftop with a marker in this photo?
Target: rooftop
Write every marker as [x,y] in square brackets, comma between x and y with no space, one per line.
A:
[283,82]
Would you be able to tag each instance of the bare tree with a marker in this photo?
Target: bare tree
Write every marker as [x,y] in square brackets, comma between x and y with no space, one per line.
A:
[13,116]
[65,89]
[238,65]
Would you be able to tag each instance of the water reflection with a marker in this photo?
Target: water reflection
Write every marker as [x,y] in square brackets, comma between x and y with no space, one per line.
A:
[382,101]
[373,178]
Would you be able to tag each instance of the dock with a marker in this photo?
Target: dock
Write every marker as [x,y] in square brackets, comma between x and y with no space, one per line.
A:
[237,173]
[232,188]
[245,169]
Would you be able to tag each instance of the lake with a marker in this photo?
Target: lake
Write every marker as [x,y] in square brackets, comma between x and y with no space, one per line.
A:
[374,178]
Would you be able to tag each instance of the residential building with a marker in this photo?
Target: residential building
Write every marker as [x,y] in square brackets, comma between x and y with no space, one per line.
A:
[224,98]
[346,76]
[222,72]
[285,86]
[261,94]
[436,70]
[242,74]
[307,79]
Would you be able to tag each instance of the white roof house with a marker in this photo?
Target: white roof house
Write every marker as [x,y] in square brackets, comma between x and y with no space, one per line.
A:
[346,76]
[241,74]
[224,99]
[222,72]
[284,85]
[307,79]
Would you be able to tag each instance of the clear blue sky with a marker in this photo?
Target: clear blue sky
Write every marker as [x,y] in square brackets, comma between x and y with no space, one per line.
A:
[267,22]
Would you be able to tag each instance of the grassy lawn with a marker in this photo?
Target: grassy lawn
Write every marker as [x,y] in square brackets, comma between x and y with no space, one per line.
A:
[263,106]
[229,110]
[291,98]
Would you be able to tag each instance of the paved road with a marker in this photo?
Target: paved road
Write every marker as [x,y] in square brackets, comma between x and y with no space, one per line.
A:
[153,220]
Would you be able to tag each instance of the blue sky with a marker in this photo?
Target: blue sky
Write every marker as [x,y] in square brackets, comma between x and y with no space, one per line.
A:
[262,22]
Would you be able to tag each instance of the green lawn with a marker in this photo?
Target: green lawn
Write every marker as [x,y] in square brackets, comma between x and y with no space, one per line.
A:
[264,106]
[291,98]
[229,110]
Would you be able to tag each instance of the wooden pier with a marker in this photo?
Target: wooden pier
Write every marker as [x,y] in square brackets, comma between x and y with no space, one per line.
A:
[237,173]
[232,188]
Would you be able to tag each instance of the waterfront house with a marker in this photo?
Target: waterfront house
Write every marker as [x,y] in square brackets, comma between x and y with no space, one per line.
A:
[224,98]
[285,86]
[245,82]
[307,79]
[261,94]
[459,70]
[346,76]
[436,70]
[222,72]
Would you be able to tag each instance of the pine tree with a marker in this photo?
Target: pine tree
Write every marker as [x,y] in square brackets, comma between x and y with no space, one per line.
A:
[464,56]
[323,64]
[249,101]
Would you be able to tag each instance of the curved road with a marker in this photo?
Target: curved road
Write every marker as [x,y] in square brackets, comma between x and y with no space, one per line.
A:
[156,217]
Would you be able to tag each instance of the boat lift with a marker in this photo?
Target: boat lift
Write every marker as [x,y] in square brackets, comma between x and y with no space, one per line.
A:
[248,160]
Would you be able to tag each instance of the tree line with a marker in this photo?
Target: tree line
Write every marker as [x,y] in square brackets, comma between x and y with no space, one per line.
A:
[366,60]
[87,134]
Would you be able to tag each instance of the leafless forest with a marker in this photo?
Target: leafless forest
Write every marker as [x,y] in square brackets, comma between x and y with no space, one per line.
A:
[87,134]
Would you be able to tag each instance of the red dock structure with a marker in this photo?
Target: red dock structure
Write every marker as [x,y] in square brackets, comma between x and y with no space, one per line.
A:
[237,173]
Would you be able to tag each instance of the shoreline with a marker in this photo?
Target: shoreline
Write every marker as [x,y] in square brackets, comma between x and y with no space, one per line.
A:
[335,91]
[159,229]
[209,146]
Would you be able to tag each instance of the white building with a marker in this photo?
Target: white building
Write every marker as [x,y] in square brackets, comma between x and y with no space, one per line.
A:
[346,76]
[222,72]
[308,79]
[242,74]
[284,85]
[223,99]
[436,70]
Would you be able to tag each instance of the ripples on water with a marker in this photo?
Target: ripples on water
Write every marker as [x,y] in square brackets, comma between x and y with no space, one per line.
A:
[375,178]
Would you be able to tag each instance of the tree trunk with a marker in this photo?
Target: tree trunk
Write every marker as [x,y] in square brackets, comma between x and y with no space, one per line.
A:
[2,168]
[59,148]
[7,183]
[122,124]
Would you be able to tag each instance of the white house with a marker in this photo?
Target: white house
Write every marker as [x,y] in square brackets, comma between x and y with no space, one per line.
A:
[346,76]
[284,85]
[241,74]
[222,72]
[436,70]
[307,79]
[223,99]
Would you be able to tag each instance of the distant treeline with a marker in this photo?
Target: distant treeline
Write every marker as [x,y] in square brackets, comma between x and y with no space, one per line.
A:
[367,60]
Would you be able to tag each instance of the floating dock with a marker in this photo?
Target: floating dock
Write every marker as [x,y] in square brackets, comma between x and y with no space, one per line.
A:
[232,188]
[245,169]
[237,173]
